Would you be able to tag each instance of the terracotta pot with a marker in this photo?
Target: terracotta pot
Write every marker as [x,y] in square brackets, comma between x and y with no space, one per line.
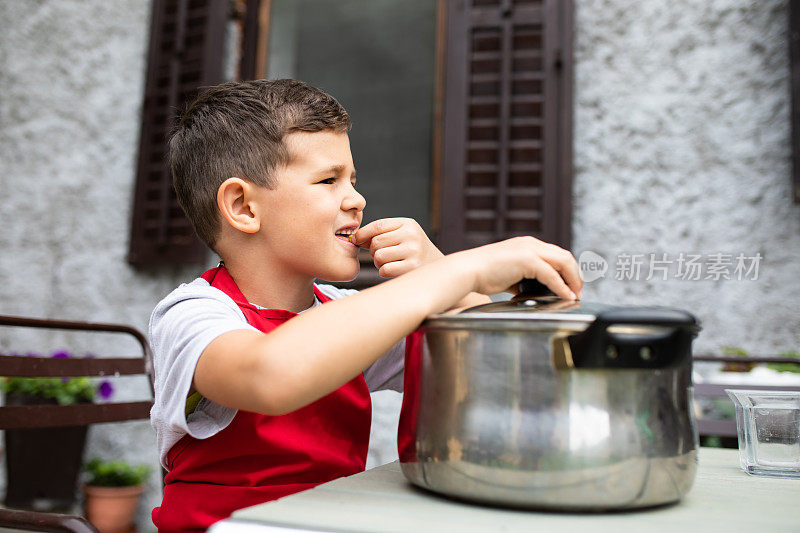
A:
[112,509]
[744,366]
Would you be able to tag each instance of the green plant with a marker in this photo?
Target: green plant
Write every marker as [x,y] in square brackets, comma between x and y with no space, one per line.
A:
[65,391]
[115,473]
[787,367]
[735,351]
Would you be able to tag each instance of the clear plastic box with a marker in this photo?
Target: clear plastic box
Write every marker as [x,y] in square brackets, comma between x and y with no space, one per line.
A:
[768,424]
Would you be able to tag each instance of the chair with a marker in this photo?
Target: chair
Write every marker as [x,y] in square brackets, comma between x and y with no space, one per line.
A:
[48,416]
[727,427]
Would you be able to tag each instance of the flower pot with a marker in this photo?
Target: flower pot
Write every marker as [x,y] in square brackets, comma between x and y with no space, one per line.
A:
[112,509]
[42,464]
[744,366]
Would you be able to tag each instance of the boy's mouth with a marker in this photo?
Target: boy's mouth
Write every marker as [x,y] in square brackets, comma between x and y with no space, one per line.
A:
[346,235]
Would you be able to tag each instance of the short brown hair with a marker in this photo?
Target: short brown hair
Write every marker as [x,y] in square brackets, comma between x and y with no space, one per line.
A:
[237,129]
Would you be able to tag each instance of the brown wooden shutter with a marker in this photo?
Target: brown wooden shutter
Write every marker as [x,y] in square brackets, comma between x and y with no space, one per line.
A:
[186,52]
[507,122]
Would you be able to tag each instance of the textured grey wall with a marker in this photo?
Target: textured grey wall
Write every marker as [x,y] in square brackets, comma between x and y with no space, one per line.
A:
[72,84]
[681,145]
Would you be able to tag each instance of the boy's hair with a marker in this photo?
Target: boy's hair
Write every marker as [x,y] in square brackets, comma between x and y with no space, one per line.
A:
[237,129]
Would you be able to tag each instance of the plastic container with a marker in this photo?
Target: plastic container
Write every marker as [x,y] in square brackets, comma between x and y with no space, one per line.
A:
[768,426]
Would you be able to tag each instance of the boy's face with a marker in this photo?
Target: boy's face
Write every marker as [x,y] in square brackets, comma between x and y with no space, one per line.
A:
[313,203]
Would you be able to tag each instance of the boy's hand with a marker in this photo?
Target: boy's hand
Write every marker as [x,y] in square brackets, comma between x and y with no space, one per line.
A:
[397,245]
[499,266]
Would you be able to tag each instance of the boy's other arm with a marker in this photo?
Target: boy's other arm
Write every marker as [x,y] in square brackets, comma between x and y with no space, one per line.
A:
[320,350]
[399,245]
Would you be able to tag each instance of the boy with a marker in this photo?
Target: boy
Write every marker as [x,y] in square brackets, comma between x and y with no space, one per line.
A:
[246,411]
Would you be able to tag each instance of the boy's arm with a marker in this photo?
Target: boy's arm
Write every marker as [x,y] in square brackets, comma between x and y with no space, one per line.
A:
[472,299]
[320,350]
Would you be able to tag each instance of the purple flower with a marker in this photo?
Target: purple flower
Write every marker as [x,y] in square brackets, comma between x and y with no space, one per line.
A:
[63,354]
[32,354]
[106,390]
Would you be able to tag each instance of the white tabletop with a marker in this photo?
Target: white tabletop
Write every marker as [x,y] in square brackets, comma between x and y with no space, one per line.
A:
[723,498]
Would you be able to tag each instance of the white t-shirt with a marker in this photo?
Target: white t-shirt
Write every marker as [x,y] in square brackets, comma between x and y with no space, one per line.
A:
[182,325]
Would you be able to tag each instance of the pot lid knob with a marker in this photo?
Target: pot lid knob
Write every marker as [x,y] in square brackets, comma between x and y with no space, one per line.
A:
[533,288]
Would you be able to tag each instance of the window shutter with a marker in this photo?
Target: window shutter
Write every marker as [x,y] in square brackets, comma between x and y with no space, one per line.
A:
[186,52]
[507,122]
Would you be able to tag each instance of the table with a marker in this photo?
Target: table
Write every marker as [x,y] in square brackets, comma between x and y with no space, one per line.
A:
[723,498]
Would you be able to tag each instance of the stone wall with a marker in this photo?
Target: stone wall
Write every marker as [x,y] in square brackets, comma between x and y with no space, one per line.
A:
[72,84]
[682,145]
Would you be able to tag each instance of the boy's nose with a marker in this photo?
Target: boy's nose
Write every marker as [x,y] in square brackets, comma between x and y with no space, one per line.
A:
[354,200]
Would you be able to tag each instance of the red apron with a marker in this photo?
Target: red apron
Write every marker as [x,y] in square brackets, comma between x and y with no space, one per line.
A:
[258,458]
[407,425]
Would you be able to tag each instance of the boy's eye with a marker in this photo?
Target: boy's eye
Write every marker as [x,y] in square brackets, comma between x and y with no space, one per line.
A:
[328,181]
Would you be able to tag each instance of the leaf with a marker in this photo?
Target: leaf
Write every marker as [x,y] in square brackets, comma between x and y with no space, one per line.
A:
[115,473]
[735,351]
[65,391]
[787,367]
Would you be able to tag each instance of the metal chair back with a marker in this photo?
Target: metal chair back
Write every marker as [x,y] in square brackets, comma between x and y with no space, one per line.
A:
[83,414]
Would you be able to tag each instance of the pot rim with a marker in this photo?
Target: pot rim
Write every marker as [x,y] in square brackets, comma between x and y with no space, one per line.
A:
[527,321]
[549,317]
[547,314]
[127,490]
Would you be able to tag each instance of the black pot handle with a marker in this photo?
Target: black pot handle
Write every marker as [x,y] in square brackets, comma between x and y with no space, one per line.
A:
[646,316]
[597,347]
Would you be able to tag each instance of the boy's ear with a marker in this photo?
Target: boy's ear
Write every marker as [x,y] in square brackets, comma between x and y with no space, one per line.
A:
[234,199]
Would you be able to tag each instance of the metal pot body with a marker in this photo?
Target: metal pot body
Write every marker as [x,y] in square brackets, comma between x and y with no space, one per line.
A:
[497,419]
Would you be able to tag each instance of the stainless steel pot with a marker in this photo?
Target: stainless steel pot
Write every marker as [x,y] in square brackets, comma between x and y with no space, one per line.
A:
[541,402]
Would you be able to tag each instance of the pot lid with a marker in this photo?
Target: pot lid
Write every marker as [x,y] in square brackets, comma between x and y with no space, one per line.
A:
[536,307]
[535,304]
[584,335]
